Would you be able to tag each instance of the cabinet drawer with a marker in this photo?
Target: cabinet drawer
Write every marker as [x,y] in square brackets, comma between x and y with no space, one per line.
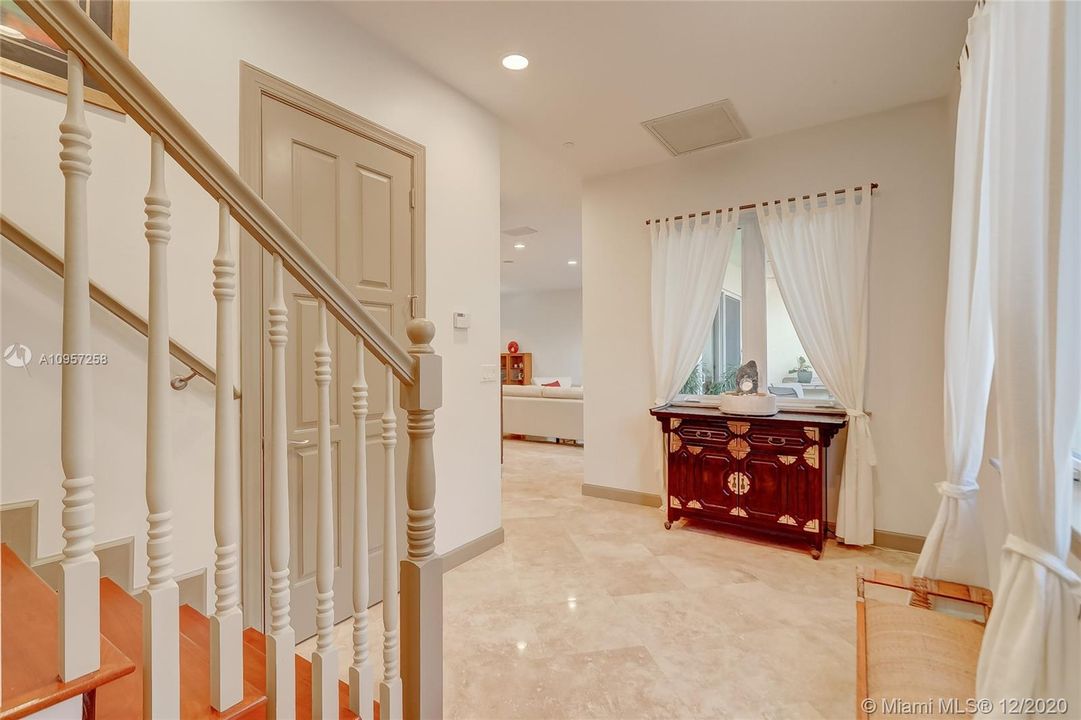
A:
[781,439]
[715,435]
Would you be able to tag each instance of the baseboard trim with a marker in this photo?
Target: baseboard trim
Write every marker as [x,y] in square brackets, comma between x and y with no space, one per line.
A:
[192,588]
[116,558]
[899,541]
[116,561]
[889,540]
[635,497]
[473,548]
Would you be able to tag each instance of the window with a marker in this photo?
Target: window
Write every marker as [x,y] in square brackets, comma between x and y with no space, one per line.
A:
[715,372]
[784,370]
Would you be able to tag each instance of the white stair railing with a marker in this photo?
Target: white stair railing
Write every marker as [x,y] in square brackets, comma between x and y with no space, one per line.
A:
[227,622]
[280,640]
[412,682]
[161,609]
[80,651]
[361,672]
[390,689]
[325,657]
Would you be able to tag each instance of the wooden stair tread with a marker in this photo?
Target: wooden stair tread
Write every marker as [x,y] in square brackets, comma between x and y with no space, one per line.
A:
[30,637]
[121,622]
[197,627]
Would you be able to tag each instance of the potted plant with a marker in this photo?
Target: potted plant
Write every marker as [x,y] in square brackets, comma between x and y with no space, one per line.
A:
[802,370]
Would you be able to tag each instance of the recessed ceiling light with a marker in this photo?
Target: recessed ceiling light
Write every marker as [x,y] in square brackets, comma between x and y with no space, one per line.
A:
[12,33]
[572,262]
[514,61]
[519,246]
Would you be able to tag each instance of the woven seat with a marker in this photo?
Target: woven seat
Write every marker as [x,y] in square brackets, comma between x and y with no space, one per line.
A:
[911,653]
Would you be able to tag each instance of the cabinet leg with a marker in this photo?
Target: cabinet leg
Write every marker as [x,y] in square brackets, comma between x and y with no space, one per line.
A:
[669,516]
[816,553]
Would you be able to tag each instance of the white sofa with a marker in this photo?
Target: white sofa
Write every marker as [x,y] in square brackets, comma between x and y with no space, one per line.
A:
[553,412]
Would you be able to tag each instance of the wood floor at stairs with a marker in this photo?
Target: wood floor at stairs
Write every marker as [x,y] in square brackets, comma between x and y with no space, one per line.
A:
[28,607]
[29,641]
[121,622]
[197,627]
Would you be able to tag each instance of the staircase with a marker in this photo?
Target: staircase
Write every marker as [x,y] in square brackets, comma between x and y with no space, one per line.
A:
[151,657]
[30,684]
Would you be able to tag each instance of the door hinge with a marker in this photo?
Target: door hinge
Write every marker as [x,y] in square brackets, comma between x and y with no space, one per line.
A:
[413,306]
[412,198]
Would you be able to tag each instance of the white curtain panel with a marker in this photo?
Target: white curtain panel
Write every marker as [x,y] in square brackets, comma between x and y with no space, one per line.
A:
[819,254]
[1032,645]
[689,260]
[955,548]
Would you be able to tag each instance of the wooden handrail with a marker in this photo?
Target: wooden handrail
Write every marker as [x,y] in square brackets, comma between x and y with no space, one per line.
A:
[72,29]
[22,240]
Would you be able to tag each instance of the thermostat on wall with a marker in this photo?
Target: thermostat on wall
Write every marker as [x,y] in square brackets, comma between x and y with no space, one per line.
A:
[461,320]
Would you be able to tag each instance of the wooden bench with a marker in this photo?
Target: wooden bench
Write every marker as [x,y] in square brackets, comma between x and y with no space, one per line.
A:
[912,653]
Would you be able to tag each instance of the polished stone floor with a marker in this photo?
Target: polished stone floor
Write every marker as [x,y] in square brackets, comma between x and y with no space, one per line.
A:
[591,609]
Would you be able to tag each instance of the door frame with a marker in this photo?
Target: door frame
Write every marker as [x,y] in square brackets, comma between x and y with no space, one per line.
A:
[254,85]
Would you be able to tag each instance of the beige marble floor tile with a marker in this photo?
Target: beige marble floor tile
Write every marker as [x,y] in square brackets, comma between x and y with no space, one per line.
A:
[591,609]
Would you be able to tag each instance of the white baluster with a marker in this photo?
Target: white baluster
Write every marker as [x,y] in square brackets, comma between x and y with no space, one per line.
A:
[281,640]
[325,657]
[422,571]
[161,618]
[227,623]
[79,646]
[390,689]
[361,673]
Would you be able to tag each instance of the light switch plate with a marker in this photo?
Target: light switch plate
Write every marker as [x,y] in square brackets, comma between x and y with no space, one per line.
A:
[489,373]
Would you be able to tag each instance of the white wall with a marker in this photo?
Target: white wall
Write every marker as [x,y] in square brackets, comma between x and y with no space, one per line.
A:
[31,314]
[549,325]
[909,151]
[192,52]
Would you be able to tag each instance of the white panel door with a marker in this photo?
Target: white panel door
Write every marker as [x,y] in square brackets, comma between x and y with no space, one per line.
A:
[347,196]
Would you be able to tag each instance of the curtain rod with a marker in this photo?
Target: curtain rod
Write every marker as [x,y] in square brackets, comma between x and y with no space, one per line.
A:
[752,206]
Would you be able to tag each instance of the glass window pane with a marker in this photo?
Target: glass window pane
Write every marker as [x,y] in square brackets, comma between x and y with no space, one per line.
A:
[788,368]
[715,371]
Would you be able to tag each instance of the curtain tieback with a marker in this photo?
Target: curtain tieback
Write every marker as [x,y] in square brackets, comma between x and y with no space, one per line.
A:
[957,490]
[861,418]
[1052,562]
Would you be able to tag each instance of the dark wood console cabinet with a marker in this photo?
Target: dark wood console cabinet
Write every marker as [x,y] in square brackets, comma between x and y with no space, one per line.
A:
[762,474]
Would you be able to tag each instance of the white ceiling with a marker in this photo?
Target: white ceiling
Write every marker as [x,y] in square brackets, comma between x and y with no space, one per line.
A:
[599,69]
[539,191]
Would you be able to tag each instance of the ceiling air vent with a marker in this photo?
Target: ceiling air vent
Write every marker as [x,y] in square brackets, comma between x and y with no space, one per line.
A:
[697,128]
[520,231]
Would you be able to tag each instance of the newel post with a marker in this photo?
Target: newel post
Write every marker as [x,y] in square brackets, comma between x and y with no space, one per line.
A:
[422,570]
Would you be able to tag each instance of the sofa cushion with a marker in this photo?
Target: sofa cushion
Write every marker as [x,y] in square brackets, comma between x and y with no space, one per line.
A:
[522,390]
[564,393]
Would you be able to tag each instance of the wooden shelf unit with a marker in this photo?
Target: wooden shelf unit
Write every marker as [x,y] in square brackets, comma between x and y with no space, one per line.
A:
[516,368]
